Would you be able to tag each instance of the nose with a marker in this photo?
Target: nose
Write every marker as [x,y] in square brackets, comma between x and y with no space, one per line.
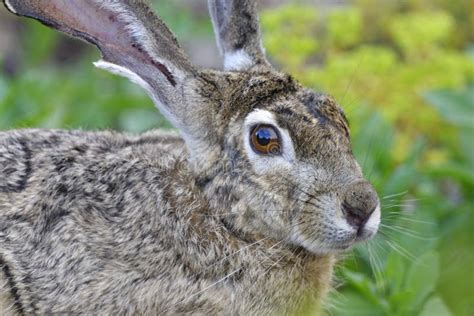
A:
[360,201]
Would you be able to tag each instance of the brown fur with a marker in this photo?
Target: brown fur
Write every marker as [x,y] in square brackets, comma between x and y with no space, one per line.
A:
[161,223]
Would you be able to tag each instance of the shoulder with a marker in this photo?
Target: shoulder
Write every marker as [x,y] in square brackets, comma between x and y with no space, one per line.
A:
[45,139]
[27,155]
[90,179]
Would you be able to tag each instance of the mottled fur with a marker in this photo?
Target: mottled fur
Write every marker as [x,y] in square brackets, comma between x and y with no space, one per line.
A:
[161,223]
[104,222]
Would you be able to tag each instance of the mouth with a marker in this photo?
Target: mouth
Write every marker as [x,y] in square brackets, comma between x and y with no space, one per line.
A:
[364,234]
[339,237]
[361,235]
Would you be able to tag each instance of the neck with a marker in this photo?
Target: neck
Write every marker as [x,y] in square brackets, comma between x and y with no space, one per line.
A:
[289,278]
[274,269]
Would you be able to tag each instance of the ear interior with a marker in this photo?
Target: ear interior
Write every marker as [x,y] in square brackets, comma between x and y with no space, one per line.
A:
[91,24]
[113,27]
[135,44]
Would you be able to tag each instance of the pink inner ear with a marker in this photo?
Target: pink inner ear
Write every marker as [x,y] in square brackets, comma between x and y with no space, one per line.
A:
[98,24]
[86,19]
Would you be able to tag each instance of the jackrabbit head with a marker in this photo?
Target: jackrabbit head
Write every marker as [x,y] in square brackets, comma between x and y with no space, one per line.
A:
[273,157]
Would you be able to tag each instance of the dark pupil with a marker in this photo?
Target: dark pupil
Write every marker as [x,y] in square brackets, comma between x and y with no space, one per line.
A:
[264,136]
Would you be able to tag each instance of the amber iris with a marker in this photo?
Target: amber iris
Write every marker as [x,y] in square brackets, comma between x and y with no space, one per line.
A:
[265,140]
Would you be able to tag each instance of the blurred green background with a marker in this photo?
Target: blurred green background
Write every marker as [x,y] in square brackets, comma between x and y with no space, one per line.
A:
[402,70]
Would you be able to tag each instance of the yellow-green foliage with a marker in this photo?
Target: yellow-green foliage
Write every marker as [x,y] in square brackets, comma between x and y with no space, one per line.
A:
[388,69]
[292,31]
[419,35]
[344,28]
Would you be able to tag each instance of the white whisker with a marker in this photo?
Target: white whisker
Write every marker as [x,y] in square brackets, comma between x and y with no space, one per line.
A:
[406,231]
[402,251]
[394,195]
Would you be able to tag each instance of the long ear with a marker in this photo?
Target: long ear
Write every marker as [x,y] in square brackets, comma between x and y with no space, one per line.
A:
[237,32]
[134,43]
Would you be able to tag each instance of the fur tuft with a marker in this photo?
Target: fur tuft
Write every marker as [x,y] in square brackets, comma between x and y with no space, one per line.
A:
[238,60]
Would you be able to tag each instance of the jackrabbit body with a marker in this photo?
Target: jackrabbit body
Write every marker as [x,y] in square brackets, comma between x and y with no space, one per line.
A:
[242,213]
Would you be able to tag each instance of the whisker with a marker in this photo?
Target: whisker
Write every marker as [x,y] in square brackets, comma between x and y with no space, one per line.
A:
[387,207]
[381,264]
[376,267]
[394,195]
[407,232]
[407,200]
[236,253]
[308,202]
[205,289]
[394,219]
[274,264]
[400,250]
[399,213]
[308,194]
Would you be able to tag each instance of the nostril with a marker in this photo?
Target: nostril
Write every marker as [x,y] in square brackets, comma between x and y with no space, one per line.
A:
[356,217]
[359,202]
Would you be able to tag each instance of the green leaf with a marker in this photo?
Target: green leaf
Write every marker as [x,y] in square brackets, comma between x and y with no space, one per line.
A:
[373,144]
[467,148]
[421,279]
[456,107]
[140,120]
[362,283]
[399,301]
[395,271]
[366,289]
[353,304]
[457,171]
[400,180]
[435,307]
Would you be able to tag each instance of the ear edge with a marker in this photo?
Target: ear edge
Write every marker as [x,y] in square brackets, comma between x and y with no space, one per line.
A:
[124,72]
[129,26]
[51,24]
[238,34]
[9,7]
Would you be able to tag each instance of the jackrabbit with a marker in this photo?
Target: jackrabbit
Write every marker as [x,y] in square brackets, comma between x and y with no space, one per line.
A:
[241,213]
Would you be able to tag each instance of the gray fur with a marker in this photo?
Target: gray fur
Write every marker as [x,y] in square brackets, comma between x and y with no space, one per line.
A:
[161,223]
[6,300]
[237,29]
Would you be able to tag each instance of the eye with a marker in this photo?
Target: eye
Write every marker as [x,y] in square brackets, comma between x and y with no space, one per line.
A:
[265,140]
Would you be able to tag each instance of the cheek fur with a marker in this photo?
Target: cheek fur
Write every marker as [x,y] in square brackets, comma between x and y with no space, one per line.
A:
[320,227]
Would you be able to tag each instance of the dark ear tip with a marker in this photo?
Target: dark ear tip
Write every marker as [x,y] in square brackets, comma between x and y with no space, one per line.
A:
[26,8]
[14,6]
